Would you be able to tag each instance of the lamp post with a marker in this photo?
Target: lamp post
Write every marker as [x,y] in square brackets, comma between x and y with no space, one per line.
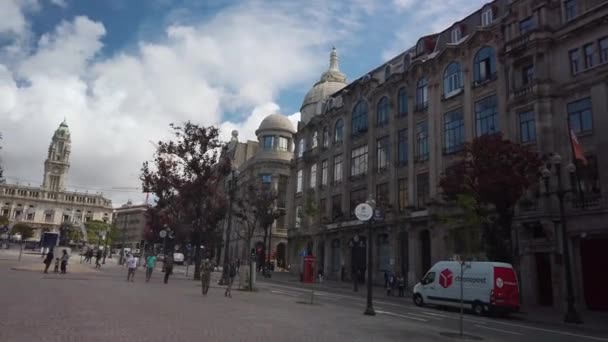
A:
[365,213]
[556,163]
[105,246]
[232,182]
[124,239]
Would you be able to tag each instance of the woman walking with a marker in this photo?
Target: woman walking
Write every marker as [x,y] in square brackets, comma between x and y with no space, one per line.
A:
[48,260]
[64,261]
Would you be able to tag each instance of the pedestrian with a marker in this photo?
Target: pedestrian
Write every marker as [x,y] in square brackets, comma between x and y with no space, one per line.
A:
[385,278]
[48,260]
[401,284]
[131,267]
[56,270]
[320,275]
[150,264]
[64,261]
[89,255]
[390,284]
[206,269]
[98,259]
[168,267]
[231,275]
[238,265]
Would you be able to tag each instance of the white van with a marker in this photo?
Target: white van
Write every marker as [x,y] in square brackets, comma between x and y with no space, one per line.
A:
[487,286]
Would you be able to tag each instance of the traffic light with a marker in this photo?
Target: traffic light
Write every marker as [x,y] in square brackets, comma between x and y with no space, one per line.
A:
[253,253]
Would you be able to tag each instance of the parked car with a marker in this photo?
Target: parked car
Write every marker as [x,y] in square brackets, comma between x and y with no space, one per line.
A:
[487,287]
[178,258]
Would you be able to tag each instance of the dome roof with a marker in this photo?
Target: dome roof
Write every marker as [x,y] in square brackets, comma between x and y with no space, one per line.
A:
[276,122]
[331,81]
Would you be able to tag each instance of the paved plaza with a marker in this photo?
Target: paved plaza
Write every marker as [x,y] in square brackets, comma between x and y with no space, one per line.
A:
[89,305]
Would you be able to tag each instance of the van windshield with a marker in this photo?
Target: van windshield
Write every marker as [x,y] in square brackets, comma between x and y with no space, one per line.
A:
[428,278]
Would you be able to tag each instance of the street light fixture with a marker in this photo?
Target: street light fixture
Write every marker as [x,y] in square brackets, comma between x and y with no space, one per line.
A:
[572,315]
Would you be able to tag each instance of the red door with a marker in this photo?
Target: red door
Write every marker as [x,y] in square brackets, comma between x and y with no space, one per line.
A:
[595,273]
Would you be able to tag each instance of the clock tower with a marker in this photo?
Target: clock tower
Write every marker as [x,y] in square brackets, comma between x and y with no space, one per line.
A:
[58,160]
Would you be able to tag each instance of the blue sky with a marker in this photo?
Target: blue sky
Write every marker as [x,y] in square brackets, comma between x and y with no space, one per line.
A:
[120,71]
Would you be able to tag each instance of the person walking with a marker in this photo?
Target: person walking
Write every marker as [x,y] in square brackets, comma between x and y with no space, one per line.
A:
[150,264]
[98,259]
[131,267]
[64,261]
[48,260]
[206,268]
[401,284]
[168,267]
[231,275]
[89,255]
[390,285]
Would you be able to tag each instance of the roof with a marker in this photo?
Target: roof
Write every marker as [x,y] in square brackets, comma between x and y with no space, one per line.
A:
[276,122]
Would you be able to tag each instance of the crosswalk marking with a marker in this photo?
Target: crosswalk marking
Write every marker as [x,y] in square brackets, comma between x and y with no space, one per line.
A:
[500,330]
[402,316]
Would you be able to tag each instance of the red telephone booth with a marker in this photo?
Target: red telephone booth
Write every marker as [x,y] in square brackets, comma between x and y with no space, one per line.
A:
[309,269]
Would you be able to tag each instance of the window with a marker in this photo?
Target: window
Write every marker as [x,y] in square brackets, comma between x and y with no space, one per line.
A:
[603,50]
[359,124]
[527,25]
[301,145]
[589,51]
[313,175]
[574,61]
[487,17]
[315,139]
[402,147]
[527,127]
[338,168]
[324,172]
[357,197]
[422,94]
[580,116]
[486,116]
[48,217]
[322,208]
[298,216]
[402,196]
[382,153]
[387,72]
[339,131]
[422,141]
[268,141]
[429,278]
[325,137]
[266,178]
[453,138]
[402,102]
[299,184]
[30,217]
[384,253]
[570,7]
[358,161]
[485,65]
[336,207]
[283,144]
[455,34]
[452,80]
[422,190]
[589,180]
[527,75]
[382,112]
[382,195]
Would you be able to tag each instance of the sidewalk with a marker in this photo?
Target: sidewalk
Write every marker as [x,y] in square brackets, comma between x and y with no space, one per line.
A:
[593,321]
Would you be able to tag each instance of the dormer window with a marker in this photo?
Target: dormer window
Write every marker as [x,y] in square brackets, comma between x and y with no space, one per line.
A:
[456,34]
[487,17]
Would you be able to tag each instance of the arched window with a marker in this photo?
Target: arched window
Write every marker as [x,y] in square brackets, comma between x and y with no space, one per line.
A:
[402,102]
[339,131]
[301,145]
[325,137]
[422,93]
[359,124]
[452,80]
[387,72]
[484,67]
[315,139]
[382,112]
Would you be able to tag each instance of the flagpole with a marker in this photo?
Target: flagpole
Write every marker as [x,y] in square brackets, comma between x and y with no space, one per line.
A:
[576,163]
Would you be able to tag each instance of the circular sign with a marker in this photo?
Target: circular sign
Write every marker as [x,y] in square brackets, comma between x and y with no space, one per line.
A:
[364,212]
[163,233]
[499,283]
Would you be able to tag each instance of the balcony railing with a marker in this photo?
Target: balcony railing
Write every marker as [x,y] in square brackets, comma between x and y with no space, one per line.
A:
[518,44]
[525,90]
[590,201]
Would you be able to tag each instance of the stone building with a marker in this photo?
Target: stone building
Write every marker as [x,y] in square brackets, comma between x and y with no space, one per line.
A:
[46,207]
[265,162]
[130,222]
[524,68]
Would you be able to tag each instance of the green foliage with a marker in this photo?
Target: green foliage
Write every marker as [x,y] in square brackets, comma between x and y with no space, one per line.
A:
[466,223]
[3,220]
[310,207]
[25,230]
[95,230]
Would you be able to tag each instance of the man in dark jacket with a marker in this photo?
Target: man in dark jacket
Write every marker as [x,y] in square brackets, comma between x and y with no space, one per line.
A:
[168,267]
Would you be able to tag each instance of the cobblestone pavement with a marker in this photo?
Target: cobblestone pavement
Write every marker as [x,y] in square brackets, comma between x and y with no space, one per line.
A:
[102,306]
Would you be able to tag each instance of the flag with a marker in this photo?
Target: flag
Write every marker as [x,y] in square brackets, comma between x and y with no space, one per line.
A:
[577,148]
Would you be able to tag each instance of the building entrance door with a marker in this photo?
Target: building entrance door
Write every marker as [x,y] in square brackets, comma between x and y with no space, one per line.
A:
[543,279]
[594,264]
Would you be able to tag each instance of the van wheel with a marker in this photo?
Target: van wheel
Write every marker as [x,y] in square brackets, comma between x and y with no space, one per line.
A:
[478,309]
[418,300]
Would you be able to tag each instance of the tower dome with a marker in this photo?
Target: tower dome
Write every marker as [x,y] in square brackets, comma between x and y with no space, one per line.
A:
[331,81]
[275,122]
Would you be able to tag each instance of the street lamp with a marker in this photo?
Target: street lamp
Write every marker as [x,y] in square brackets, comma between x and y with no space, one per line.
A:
[232,182]
[365,213]
[556,163]
[105,245]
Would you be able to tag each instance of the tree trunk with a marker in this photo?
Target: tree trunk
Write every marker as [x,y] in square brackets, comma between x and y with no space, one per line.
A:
[265,249]
[197,257]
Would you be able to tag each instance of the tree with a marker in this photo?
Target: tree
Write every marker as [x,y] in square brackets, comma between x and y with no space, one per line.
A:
[465,223]
[24,230]
[69,233]
[95,230]
[185,175]
[496,173]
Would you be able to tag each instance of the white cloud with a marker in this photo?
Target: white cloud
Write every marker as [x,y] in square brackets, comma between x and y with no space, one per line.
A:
[60,3]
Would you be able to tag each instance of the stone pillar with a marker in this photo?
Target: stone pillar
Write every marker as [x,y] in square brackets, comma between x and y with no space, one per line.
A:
[415,260]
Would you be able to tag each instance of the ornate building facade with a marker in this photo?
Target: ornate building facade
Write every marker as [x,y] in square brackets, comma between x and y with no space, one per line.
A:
[523,68]
[46,207]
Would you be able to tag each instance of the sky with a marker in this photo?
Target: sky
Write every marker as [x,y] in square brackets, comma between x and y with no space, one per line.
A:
[120,71]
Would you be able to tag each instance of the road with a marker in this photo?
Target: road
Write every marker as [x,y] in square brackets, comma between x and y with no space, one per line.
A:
[89,305]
